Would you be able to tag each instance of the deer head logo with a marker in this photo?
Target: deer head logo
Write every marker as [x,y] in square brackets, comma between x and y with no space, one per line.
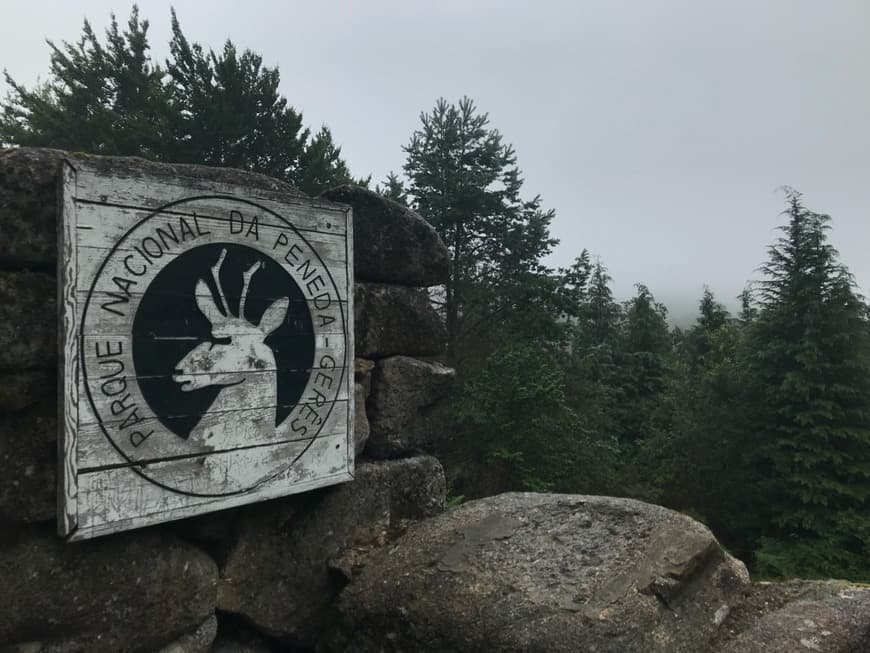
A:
[237,359]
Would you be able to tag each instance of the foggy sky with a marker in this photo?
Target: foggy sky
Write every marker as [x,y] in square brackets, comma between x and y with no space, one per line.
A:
[660,132]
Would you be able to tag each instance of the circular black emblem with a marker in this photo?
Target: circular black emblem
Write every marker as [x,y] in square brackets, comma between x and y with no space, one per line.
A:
[191,350]
[213,348]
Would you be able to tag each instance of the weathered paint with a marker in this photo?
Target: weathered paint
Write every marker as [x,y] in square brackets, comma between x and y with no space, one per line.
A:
[206,347]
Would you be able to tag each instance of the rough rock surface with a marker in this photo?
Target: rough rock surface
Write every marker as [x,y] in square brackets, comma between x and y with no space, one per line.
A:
[392,244]
[360,420]
[532,572]
[20,390]
[28,455]
[811,616]
[28,205]
[362,373]
[403,389]
[247,643]
[28,320]
[135,592]
[362,388]
[28,195]
[391,320]
[292,556]
[198,641]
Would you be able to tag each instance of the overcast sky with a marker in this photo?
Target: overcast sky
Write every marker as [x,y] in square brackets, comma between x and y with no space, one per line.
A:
[659,131]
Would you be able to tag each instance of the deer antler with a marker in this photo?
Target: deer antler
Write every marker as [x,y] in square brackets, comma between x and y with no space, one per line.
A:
[215,274]
[246,281]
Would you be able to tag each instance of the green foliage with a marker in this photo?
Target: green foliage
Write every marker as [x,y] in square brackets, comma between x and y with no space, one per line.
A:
[220,109]
[516,414]
[464,179]
[394,189]
[811,369]
[107,98]
[643,345]
[454,500]
[800,556]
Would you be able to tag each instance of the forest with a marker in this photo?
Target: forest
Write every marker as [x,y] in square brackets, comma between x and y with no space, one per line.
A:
[757,424]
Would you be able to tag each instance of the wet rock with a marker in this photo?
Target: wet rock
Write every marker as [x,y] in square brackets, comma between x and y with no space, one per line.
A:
[362,373]
[403,389]
[391,319]
[392,244]
[22,389]
[360,420]
[533,572]
[362,388]
[28,206]
[28,320]
[28,464]
[198,641]
[134,592]
[812,616]
[250,643]
[293,555]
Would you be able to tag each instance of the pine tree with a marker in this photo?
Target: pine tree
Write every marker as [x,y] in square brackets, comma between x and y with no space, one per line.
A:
[464,179]
[220,109]
[321,166]
[693,457]
[643,346]
[394,189]
[811,362]
[698,343]
[227,110]
[600,316]
[104,98]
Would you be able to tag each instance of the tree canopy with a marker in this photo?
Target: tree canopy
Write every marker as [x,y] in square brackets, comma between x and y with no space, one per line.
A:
[108,96]
[464,179]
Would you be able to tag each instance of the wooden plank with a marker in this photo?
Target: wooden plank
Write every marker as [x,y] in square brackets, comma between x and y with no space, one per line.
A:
[68,354]
[108,493]
[95,454]
[103,225]
[197,306]
[102,316]
[138,192]
[332,344]
[349,345]
[104,228]
[88,421]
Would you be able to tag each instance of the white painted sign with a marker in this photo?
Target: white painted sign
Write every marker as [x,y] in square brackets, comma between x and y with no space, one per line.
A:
[207,347]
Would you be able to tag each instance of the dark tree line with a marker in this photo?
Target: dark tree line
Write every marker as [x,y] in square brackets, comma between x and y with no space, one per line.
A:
[757,424]
[108,96]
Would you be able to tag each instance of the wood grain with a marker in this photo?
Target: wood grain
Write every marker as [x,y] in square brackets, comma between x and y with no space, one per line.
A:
[121,226]
[68,355]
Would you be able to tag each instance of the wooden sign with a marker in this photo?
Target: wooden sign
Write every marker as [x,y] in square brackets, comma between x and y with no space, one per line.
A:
[207,346]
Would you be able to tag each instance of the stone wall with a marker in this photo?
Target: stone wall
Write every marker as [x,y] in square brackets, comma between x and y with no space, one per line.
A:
[262,577]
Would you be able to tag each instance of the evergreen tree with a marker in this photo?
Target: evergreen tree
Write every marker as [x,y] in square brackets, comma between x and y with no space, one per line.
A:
[104,98]
[321,166]
[525,434]
[227,110]
[811,363]
[748,310]
[594,380]
[600,316]
[643,347]
[394,189]
[712,316]
[693,457]
[202,107]
[465,181]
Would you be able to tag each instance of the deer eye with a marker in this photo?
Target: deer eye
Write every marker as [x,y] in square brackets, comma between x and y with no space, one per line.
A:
[221,341]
